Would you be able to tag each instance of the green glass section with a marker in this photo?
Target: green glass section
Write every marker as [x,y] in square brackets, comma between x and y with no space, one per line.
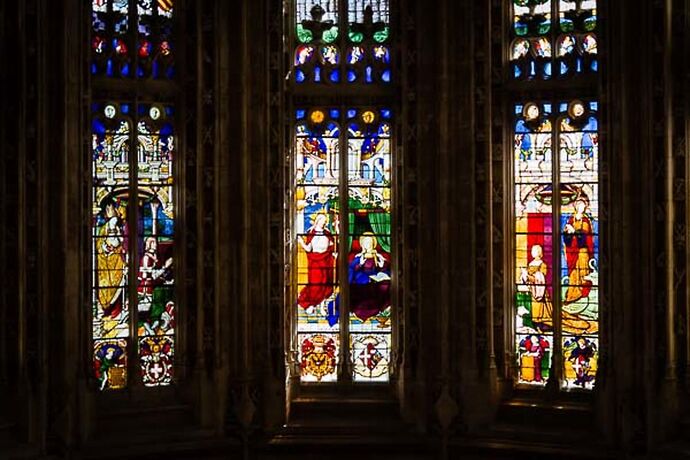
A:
[520,30]
[356,37]
[590,23]
[524,299]
[567,26]
[382,35]
[330,35]
[304,35]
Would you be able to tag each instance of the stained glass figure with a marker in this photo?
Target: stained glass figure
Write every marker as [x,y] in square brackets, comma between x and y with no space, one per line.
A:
[110,364]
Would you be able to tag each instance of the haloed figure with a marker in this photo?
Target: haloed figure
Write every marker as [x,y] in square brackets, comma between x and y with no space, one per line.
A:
[319,245]
[579,250]
[369,278]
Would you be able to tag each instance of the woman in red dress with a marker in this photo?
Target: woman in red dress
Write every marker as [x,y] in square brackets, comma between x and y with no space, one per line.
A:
[319,245]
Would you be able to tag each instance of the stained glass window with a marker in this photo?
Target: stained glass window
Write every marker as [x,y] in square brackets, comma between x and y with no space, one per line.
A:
[133,198]
[342,256]
[541,50]
[556,205]
[555,171]
[332,48]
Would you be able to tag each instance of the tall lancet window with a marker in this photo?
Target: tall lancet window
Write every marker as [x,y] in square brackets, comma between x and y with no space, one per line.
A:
[555,171]
[341,163]
[133,193]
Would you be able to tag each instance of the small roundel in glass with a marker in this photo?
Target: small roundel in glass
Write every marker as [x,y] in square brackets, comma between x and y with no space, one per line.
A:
[368,117]
[155,112]
[531,112]
[110,110]
[577,109]
[317,117]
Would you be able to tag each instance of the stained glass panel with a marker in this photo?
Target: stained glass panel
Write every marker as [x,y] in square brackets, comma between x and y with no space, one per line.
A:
[370,357]
[110,364]
[156,360]
[579,159]
[156,214]
[573,293]
[132,38]
[112,236]
[341,201]
[111,131]
[154,43]
[369,235]
[574,41]
[533,170]
[318,357]
[317,178]
[368,50]
[317,55]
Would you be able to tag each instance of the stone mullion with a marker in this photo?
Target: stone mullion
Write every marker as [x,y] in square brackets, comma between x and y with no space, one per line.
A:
[662,169]
[4,343]
[497,208]
[31,329]
[683,86]
[190,233]
[69,343]
[9,167]
[206,185]
[279,239]
[678,146]
[633,216]
[679,38]
[257,213]
[481,332]
[407,164]
[447,409]
[228,232]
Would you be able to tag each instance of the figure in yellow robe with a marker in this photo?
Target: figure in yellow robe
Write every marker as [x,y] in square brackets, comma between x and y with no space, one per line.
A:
[534,277]
[111,258]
